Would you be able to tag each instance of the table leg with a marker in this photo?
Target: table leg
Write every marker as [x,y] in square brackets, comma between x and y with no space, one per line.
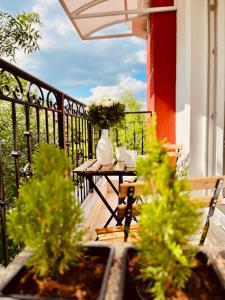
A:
[90,179]
[113,212]
[120,201]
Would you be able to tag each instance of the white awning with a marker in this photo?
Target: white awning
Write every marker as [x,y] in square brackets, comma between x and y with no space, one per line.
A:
[92,16]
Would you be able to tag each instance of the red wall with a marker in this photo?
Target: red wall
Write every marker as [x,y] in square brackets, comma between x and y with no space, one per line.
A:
[161,70]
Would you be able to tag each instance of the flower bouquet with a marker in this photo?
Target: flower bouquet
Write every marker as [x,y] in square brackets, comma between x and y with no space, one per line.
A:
[104,113]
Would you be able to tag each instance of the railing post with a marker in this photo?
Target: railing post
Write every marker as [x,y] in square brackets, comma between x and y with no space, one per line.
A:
[117,137]
[142,138]
[61,122]
[90,141]
[134,137]
[2,215]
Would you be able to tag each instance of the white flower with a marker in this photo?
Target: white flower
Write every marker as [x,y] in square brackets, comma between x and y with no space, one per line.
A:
[116,100]
[105,102]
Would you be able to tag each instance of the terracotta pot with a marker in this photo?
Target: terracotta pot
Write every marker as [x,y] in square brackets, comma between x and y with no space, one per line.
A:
[106,253]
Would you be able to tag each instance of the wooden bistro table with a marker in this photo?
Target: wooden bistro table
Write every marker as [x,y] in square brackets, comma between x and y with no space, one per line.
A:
[92,168]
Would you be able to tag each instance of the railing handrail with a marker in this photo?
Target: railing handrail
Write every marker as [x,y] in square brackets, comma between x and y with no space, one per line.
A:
[139,112]
[27,76]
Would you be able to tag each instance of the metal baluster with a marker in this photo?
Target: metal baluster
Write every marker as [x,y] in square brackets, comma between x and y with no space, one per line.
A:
[142,138]
[46,126]
[85,140]
[61,122]
[81,188]
[53,124]
[72,138]
[90,140]
[125,132]
[67,135]
[82,139]
[117,137]
[2,212]
[27,134]
[78,187]
[38,125]
[85,155]
[15,153]
[79,140]
[134,136]
[76,141]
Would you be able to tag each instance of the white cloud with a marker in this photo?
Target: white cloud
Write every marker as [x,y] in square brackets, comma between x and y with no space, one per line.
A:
[139,56]
[136,40]
[125,83]
[43,7]
[63,28]
[25,62]
[73,65]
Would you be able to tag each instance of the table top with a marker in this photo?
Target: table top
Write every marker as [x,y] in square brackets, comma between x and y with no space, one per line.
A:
[92,167]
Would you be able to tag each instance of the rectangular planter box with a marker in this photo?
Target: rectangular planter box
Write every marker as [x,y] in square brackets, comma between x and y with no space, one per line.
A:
[128,290]
[105,252]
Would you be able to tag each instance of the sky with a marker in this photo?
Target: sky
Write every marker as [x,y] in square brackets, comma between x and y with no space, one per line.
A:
[86,70]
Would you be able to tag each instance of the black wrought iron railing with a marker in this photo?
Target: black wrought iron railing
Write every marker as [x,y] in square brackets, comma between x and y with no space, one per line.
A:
[33,112]
[132,132]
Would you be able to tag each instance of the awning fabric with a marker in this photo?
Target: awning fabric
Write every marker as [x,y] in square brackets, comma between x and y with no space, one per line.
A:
[104,13]
[91,16]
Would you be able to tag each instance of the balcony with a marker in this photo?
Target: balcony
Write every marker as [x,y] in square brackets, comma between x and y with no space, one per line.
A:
[33,112]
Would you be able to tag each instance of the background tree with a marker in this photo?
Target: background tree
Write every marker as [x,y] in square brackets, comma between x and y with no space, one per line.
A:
[132,133]
[19,32]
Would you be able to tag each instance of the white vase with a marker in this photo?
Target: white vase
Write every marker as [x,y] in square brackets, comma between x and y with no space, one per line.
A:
[104,150]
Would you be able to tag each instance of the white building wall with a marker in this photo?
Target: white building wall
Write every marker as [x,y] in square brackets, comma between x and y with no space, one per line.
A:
[200,105]
[183,75]
[220,87]
[198,87]
[191,98]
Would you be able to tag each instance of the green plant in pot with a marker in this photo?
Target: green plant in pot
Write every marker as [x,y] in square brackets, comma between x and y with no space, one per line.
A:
[161,265]
[47,220]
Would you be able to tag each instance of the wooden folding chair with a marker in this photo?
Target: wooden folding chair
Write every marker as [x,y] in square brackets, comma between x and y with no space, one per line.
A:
[174,153]
[214,183]
[173,147]
[125,211]
[129,232]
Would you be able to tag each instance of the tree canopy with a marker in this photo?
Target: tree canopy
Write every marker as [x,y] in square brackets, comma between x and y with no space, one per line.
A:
[19,32]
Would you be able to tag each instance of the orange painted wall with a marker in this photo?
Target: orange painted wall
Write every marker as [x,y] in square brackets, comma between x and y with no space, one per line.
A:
[161,70]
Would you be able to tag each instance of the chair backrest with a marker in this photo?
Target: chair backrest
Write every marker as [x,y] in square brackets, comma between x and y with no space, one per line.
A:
[208,183]
[136,189]
[173,147]
[174,153]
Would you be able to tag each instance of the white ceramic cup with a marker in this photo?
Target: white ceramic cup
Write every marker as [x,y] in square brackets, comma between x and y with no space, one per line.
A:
[130,158]
[120,153]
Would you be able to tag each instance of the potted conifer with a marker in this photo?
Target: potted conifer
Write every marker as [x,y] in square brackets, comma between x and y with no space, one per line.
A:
[47,220]
[163,264]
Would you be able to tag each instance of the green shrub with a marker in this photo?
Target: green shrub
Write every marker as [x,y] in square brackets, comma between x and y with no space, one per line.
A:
[47,217]
[167,223]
